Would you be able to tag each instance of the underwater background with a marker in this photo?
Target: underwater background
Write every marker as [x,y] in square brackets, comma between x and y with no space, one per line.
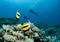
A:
[45,14]
[48,10]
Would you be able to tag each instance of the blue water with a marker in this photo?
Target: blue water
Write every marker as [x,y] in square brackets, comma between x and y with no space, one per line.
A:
[48,10]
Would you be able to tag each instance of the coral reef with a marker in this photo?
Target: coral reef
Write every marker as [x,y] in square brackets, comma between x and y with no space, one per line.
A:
[28,32]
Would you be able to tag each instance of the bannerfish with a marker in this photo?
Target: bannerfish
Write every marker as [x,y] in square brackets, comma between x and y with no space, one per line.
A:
[18,15]
[25,26]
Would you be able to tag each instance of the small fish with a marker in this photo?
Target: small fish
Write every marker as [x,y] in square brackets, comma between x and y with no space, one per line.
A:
[25,26]
[18,15]
[31,11]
